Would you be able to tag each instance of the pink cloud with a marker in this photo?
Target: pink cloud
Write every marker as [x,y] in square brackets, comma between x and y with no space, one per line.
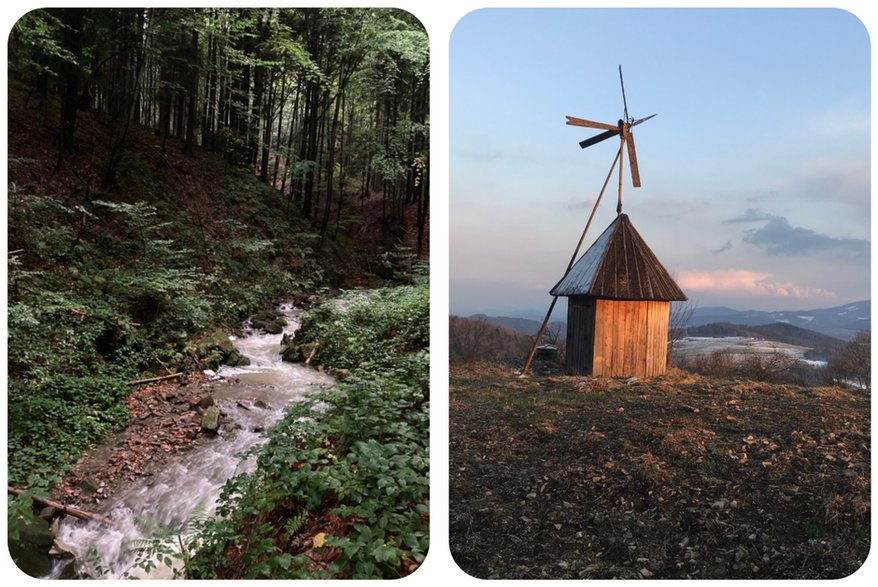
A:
[747,283]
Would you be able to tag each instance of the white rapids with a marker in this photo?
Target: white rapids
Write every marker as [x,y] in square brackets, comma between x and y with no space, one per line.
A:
[251,400]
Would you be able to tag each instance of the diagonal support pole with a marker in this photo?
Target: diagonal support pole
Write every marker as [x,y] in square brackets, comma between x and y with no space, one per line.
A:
[533,349]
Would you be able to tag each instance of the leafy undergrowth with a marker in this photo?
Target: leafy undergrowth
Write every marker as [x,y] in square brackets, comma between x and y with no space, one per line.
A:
[680,476]
[116,283]
[341,488]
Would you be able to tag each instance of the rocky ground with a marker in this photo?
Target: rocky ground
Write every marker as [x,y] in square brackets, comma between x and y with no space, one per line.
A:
[676,477]
[165,419]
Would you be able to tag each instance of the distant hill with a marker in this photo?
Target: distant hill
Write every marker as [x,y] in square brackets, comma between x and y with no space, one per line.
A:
[522,325]
[841,322]
[822,345]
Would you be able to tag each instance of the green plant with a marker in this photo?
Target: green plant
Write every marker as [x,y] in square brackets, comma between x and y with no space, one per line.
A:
[355,453]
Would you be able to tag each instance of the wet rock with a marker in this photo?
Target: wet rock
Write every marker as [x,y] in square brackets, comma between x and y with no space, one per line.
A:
[260,404]
[214,349]
[269,321]
[61,550]
[274,327]
[206,402]
[210,420]
[88,485]
[289,351]
[236,359]
[36,532]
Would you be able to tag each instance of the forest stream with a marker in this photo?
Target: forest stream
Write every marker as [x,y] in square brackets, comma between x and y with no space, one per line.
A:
[251,399]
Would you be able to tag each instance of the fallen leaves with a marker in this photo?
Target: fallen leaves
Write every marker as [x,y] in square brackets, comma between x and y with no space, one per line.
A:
[164,421]
[706,479]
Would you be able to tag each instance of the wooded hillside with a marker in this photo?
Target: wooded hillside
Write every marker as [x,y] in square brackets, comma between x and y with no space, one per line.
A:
[324,105]
[172,171]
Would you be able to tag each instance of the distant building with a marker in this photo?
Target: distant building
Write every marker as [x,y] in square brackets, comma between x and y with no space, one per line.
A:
[619,303]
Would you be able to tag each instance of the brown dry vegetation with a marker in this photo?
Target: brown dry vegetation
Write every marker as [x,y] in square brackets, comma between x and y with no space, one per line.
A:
[681,476]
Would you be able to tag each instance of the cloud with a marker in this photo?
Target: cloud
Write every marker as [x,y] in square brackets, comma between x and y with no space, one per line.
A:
[745,283]
[779,237]
[751,215]
[723,249]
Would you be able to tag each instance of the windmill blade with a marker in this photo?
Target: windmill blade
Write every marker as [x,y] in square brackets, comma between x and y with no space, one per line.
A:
[624,100]
[632,157]
[590,123]
[598,138]
[636,122]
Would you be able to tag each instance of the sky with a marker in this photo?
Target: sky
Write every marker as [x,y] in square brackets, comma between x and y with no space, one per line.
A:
[755,172]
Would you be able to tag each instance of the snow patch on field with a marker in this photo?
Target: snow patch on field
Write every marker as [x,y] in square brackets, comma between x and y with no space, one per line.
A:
[692,346]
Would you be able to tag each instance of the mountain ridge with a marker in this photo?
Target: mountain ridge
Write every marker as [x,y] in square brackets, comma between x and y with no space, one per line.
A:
[842,322]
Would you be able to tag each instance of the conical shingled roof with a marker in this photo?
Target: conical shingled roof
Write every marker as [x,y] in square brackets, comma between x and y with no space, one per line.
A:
[619,266]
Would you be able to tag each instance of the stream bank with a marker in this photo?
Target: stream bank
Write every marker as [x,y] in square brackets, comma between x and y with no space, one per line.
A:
[163,469]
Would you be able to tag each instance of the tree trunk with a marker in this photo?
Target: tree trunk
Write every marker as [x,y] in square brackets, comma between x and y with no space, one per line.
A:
[192,90]
[71,40]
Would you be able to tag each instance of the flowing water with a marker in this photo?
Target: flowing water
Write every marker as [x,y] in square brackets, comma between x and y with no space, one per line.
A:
[251,399]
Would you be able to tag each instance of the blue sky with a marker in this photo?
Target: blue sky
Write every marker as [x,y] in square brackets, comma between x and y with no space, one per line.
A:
[756,171]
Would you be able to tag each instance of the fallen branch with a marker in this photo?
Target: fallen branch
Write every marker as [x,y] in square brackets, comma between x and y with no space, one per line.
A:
[312,353]
[69,510]
[154,379]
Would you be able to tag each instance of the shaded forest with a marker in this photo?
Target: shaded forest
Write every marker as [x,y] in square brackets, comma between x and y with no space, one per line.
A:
[327,106]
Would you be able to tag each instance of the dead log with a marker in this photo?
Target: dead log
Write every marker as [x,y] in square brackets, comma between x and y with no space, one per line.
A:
[154,379]
[67,509]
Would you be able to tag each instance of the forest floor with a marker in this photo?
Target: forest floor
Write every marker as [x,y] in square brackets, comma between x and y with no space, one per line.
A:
[154,172]
[680,476]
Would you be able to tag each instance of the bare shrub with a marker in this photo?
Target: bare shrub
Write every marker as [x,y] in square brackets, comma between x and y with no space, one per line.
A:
[772,367]
[681,314]
[471,340]
[853,363]
[716,364]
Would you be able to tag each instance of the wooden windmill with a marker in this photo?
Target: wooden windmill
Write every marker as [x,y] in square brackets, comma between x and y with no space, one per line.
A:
[618,292]
[622,129]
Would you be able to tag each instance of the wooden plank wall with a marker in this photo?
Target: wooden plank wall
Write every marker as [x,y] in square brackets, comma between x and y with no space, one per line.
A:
[630,338]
